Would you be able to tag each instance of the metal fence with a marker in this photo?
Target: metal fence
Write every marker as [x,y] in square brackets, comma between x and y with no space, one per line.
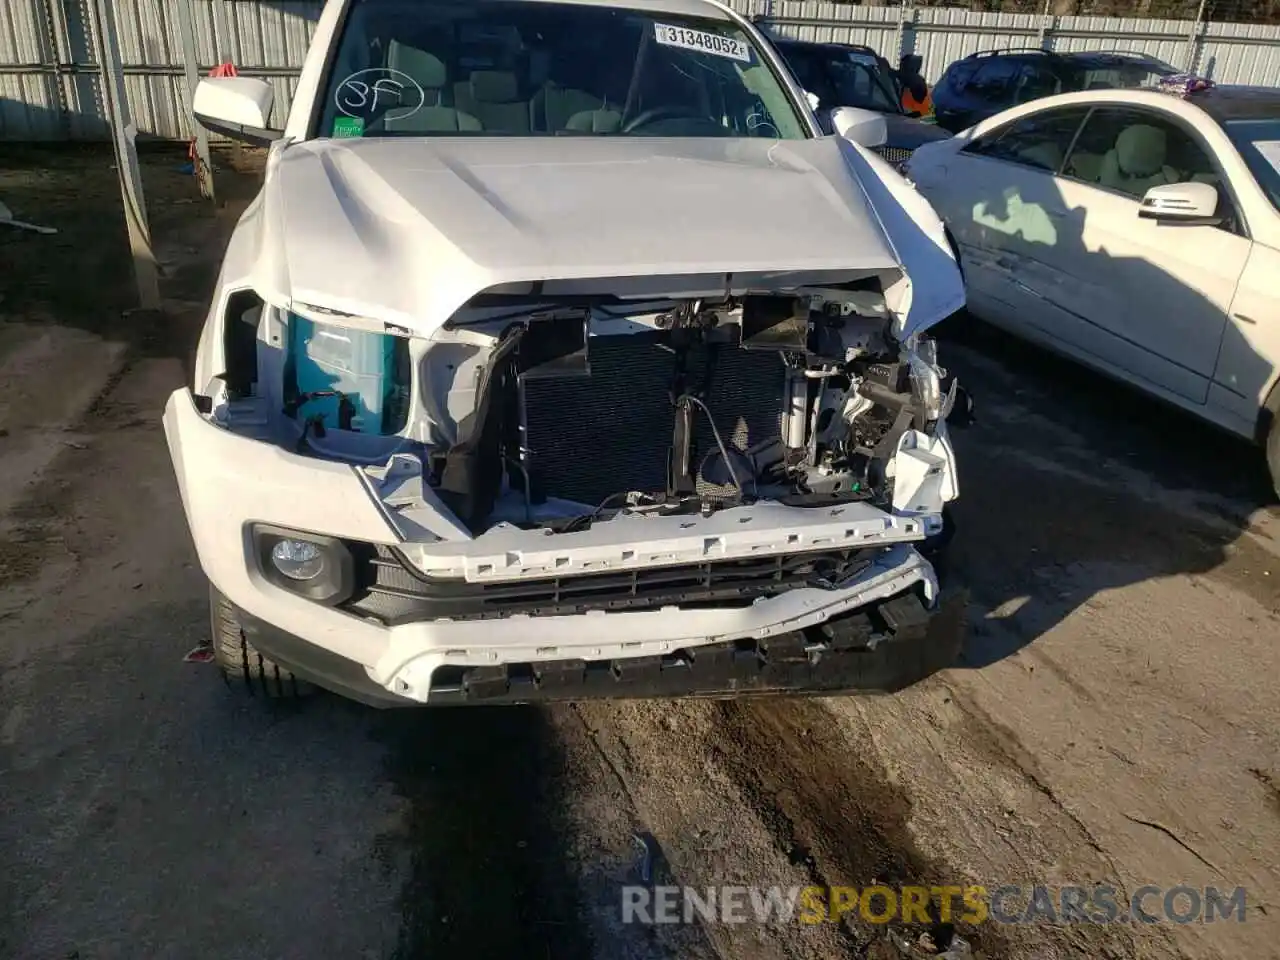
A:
[51,88]
[1225,52]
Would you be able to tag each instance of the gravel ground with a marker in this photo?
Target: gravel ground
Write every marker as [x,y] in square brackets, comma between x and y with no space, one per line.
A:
[1113,718]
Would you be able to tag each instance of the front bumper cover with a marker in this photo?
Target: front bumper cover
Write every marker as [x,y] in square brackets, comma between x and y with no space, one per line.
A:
[882,648]
[230,483]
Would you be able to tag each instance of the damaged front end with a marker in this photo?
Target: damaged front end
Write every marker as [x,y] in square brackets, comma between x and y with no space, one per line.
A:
[584,495]
[571,416]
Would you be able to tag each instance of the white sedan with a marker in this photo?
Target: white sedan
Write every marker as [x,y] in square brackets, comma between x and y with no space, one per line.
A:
[1137,231]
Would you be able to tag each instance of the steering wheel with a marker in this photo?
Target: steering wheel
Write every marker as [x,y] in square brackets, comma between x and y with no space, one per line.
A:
[654,114]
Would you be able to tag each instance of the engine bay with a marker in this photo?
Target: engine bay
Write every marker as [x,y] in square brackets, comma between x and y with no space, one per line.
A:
[799,398]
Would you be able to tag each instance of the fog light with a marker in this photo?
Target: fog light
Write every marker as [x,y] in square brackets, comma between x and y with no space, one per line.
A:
[298,559]
[311,565]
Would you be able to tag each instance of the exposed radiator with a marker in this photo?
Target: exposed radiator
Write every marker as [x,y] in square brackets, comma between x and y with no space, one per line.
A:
[592,437]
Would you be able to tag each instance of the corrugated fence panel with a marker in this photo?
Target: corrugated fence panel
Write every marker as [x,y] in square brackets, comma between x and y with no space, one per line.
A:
[1165,39]
[155,92]
[41,66]
[50,89]
[81,83]
[943,35]
[1243,52]
[29,105]
[267,40]
[876,27]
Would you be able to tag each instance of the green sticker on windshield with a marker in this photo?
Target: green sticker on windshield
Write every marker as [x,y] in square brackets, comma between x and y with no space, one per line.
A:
[348,127]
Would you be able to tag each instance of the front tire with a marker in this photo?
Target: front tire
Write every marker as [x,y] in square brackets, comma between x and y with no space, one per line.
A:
[239,660]
[1273,452]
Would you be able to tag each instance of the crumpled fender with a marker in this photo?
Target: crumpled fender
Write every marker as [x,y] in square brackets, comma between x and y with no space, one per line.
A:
[933,288]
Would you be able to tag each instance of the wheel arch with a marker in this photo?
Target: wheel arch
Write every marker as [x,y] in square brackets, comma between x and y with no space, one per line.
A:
[1268,413]
[955,249]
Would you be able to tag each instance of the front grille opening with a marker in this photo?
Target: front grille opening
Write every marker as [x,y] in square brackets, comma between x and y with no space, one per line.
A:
[520,672]
[744,392]
[393,594]
[448,677]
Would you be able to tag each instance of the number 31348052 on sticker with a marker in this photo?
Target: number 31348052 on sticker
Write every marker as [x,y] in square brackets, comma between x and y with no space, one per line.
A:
[701,41]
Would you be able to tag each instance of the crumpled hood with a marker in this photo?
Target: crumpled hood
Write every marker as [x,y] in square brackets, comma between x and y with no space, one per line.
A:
[406,231]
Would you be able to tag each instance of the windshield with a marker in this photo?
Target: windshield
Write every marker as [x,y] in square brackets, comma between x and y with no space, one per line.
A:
[536,69]
[1259,144]
[840,77]
[1141,73]
[859,82]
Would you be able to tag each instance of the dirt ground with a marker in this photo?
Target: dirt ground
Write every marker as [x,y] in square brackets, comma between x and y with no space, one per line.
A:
[1113,718]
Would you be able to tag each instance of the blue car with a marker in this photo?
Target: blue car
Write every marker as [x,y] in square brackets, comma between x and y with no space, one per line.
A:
[983,84]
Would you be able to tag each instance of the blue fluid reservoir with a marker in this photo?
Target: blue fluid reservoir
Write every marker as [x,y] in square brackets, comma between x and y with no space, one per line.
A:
[354,362]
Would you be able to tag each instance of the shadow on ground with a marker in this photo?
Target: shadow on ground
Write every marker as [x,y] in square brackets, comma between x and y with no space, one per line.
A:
[82,276]
[1073,485]
[152,811]
[487,833]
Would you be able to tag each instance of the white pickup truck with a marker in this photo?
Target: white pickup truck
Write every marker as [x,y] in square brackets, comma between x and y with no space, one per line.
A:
[562,356]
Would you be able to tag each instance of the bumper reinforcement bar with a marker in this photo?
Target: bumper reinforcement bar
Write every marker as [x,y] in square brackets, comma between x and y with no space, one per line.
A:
[884,648]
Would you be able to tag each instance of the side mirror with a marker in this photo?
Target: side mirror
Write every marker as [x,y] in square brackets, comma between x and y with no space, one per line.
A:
[1186,203]
[237,107]
[861,126]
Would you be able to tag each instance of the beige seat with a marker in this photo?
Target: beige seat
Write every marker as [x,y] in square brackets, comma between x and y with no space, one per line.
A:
[554,106]
[1137,162]
[595,121]
[432,76]
[1084,166]
[1047,155]
[493,96]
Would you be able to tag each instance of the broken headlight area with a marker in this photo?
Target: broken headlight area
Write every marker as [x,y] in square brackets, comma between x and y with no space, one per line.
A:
[356,381]
[317,383]
[799,397]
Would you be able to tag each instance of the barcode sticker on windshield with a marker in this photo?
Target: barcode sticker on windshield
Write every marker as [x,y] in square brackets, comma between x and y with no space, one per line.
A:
[703,42]
[866,59]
